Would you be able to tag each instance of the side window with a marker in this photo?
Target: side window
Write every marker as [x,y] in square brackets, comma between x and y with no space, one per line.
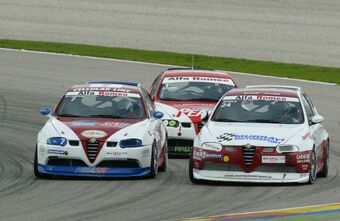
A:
[308,108]
[150,106]
[154,86]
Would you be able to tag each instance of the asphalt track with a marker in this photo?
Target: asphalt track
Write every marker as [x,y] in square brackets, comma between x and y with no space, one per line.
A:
[300,31]
[31,80]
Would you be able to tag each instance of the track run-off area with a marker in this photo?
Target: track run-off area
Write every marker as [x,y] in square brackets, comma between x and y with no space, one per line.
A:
[30,80]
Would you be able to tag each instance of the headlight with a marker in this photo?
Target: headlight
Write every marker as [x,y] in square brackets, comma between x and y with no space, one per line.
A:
[287,148]
[130,143]
[170,123]
[212,146]
[59,141]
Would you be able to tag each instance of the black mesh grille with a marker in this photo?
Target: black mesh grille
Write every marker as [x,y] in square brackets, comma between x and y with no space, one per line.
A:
[65,162]
[92,149]
[222,167]
[186,125]
[119,163]
[276,169]
[111,144]
[248,154]
[74,142]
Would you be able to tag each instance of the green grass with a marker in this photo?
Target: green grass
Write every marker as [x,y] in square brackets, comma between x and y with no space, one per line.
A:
[307,72]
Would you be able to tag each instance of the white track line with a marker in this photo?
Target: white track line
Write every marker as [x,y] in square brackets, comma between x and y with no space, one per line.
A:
[162,65]
[261,211]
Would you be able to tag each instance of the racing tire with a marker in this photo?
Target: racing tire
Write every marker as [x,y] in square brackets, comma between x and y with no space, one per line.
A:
[313,167]
[191,172]
[154,162]
[324,171]
[35,165]
[165,158]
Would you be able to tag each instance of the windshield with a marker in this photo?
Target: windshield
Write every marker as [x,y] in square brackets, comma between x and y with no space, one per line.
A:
[259,109]
[194,90]
[101,105]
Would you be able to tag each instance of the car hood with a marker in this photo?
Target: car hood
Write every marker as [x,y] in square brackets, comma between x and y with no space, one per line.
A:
[99,128]
[185,111]
[256,134]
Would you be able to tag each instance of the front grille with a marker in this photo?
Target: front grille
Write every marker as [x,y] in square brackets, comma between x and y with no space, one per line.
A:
[74,142]
[92,150]
[276,169]
[119,163]
[248,155]
[180,146]
[187,125]
[65,162]
[221,167]
[111,144]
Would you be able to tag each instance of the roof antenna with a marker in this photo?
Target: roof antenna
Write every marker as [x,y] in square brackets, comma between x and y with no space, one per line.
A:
[192,62]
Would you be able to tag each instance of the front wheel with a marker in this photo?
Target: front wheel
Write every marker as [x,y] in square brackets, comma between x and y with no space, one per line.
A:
[35,167]
[313,167]
[165,158]
[191,171]
[154,161]
[324,171]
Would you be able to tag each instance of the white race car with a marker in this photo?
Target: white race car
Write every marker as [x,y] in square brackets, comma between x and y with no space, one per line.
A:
[262,134]
[102,129]
[187,97]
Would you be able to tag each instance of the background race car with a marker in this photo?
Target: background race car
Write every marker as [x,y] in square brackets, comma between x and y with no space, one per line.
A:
[102,129]
[186,97]
[262,134]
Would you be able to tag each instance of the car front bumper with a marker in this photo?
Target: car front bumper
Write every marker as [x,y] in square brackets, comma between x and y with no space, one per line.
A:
[253,177]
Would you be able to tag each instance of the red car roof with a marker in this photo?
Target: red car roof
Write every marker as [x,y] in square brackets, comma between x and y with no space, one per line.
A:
[196,73]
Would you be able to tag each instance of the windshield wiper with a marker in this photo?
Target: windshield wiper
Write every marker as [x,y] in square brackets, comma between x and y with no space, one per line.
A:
[264,121]
[170,99]
[203,99]
[68,115]
[105,116]
[227,120]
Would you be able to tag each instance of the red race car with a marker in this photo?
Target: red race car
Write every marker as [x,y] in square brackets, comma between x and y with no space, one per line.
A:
[186,97]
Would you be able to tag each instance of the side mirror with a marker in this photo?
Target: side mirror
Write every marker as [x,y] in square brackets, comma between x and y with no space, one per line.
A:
[317,119]
[45,111]
[157,114]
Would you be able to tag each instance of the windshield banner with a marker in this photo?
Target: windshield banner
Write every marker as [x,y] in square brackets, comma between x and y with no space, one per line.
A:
[198,79]
[100,93]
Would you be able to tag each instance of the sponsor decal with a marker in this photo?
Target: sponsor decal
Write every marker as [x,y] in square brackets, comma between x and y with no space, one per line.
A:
[196,112]
[115,124]
[261,97]
[101,89]
[307,135]
[185,149]
[91,169]
[305,166]
[226,158]
[303,158]
[273,159]
[198,79]
[59,152]
[229,137]
[117,154]
[100,93]
[86,123]
[197,155]
[247,176]
[93,133]
[146,153]
[213,156]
